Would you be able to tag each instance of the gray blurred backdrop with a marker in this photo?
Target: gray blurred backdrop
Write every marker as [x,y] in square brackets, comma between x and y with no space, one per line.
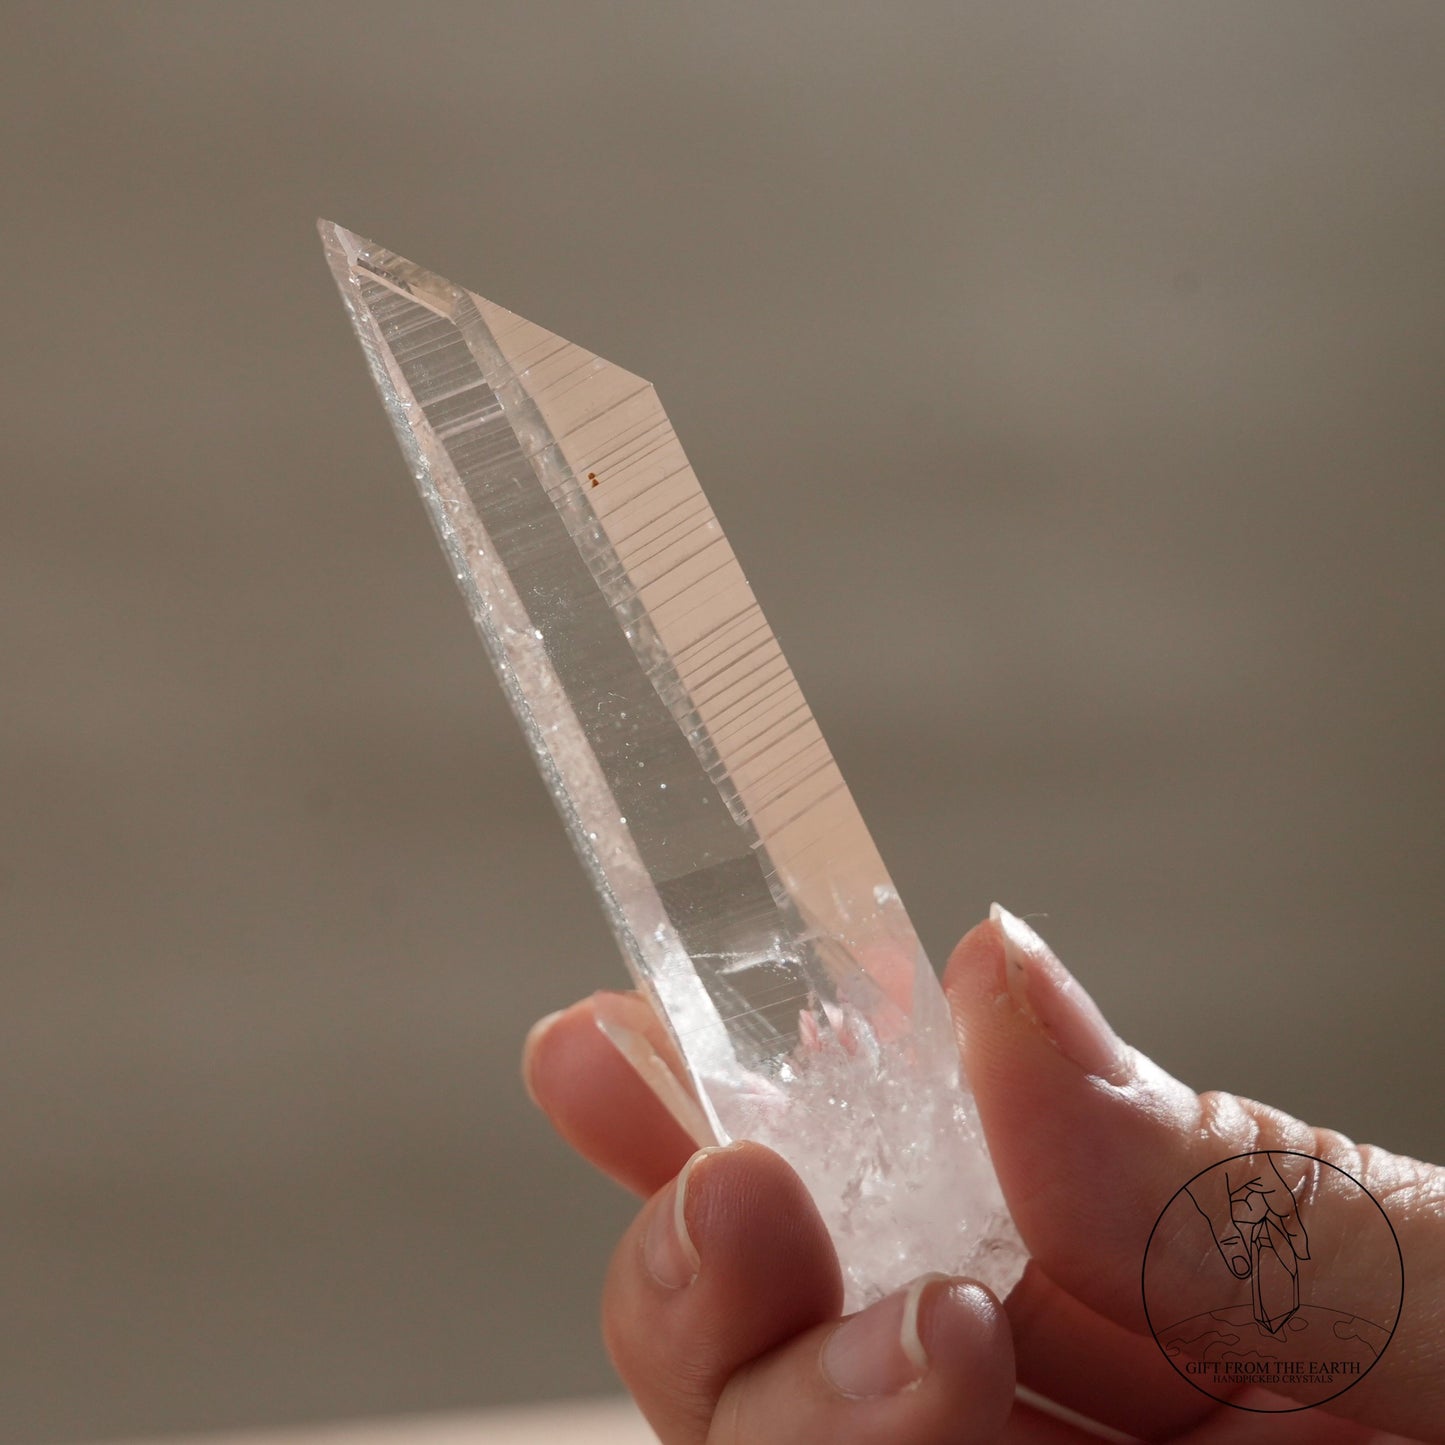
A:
[1069,379]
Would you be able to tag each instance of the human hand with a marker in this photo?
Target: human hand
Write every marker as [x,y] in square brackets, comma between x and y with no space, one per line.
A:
[721,1308]
[1235,1201]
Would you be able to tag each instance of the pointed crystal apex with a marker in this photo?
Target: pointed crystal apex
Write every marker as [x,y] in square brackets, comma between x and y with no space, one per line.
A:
[518,346]
[353,258]
[742,885]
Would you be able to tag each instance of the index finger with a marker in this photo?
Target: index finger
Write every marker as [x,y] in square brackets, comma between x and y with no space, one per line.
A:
[597,1100]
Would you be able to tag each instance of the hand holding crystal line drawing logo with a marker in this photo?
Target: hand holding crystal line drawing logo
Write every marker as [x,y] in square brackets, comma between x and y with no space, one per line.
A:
[1254,1309]
[1254,1217]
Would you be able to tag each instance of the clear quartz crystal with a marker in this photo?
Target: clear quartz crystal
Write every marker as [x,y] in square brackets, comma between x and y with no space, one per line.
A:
[742,885]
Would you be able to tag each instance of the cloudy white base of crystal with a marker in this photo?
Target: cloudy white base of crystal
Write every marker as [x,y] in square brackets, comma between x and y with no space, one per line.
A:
[891,1149]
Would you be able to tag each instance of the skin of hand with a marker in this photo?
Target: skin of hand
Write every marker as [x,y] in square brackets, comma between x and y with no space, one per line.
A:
[722,1303]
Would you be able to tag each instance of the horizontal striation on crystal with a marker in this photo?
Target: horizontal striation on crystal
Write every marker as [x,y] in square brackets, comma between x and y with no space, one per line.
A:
[738,876]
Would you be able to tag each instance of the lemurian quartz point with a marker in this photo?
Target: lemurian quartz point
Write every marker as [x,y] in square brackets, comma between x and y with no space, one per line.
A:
[742,885]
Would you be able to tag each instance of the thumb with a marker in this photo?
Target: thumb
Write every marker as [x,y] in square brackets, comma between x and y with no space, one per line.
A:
[1092,1140]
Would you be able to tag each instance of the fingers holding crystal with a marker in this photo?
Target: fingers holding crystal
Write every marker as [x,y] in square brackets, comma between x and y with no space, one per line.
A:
[633,1028]
[930,1364]
[601,1094]
[1066,1107]
[721,1313]
[723,1264]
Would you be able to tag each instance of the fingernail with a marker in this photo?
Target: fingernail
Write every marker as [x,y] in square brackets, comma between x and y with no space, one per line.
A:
[1046,993]
[1240,1265]
[529,1046]
[652,1069]
[667,1248]
[878,1351]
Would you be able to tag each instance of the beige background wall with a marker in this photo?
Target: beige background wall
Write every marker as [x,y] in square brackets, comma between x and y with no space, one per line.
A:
[1069,380]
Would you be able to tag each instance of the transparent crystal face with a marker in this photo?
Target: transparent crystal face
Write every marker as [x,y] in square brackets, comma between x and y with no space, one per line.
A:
[738,876]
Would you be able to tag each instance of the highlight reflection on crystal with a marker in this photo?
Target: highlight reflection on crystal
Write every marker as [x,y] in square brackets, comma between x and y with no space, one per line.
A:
[741,883]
